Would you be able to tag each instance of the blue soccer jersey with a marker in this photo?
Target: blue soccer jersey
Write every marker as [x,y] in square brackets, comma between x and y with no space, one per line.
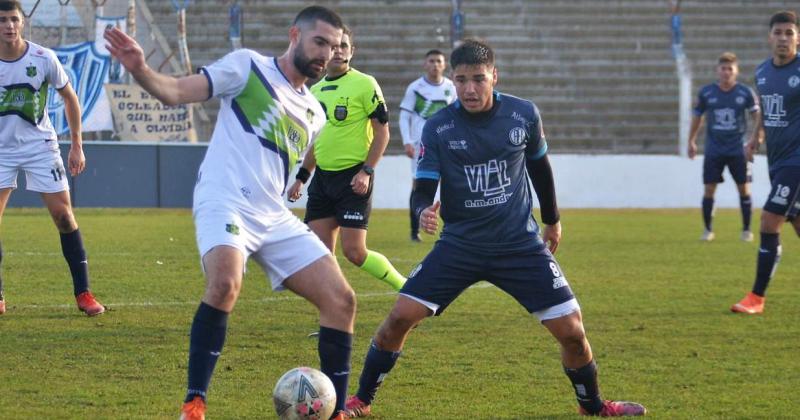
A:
[779,91]
[726,119]
[487,200]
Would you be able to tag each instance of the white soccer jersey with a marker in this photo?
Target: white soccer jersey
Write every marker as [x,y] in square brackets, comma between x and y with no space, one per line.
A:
[23,97]
[423,99]
[264,125]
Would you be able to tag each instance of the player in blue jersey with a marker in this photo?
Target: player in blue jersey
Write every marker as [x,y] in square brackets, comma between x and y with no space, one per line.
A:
[485,149]
[778,84]
[725,104]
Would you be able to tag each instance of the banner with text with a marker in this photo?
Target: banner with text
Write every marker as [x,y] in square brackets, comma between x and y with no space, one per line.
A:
[138,116]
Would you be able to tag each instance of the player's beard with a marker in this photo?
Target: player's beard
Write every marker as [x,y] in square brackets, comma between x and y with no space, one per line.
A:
[304,64]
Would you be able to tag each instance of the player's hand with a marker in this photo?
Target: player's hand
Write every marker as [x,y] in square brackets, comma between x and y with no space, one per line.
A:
[692,150]
[125,49]
[429,218]
[294,194]
[409,150]
[552,236]
[76,160]
[360,183]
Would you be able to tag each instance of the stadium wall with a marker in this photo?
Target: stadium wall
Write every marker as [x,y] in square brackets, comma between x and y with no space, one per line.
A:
[121,174]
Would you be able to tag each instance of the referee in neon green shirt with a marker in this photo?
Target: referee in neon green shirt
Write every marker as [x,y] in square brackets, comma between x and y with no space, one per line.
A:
[346,153]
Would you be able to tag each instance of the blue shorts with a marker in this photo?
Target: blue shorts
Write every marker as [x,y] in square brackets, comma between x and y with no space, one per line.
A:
[532,277]
[740,169]
[784,196]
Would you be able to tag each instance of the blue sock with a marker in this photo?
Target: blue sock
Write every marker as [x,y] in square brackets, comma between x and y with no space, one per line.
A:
[747,210]
[72,248]
[587,391]
[377,365]
[334,349]
[708,210]
[769,255]
[205,345]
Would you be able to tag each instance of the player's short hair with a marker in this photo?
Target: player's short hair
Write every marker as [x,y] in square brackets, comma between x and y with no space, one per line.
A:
[309,16]
[434,52]
[472,52]
[785,16]
[349,32]
[9,5]
[728,58]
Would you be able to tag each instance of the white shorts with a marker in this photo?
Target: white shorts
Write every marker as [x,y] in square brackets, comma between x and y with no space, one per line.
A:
[43,166]
[282,245]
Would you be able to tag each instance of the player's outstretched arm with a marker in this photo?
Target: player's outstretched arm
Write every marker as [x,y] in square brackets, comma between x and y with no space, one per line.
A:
[169,90]
[76,161]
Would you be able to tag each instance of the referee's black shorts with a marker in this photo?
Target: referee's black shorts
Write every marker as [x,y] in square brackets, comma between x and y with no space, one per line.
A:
[331,195]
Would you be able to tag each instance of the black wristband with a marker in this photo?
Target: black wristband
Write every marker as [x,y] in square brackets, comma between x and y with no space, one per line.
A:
[302,175]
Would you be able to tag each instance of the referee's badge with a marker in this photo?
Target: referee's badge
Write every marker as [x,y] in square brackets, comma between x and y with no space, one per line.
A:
[340,112]
[517,136]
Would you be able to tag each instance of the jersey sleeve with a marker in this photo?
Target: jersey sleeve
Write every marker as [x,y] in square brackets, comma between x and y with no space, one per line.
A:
[700,104]
[228,75]
[537,144]
[407,104]
[428,161]
[372,97]
[56,76]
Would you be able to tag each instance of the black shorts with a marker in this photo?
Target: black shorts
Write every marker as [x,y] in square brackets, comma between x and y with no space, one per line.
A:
[331,195]
[784,196]
[740,169]
[532,277]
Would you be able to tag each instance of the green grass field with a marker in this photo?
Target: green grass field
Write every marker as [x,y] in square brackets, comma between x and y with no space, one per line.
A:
[655,303]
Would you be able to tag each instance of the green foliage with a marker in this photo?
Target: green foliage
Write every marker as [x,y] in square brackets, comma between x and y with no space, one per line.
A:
[655,303]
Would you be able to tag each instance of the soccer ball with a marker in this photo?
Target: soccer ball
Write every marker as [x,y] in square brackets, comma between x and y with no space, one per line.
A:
[304,393]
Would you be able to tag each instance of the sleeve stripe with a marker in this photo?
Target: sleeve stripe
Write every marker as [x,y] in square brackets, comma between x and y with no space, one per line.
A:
[539,154]
[427,175]
[204,72]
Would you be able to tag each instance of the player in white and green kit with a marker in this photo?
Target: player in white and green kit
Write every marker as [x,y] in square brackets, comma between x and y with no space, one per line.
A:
[28,142]
[424,97]
[345,157]
[267,118]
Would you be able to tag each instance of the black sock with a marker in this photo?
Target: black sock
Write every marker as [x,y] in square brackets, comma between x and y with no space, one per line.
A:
[205,345]
[72,248]
[769,255]
[413,216]
[377,365]
[334,348]
[747,210]
[708,210]
[1,273]
[587,391]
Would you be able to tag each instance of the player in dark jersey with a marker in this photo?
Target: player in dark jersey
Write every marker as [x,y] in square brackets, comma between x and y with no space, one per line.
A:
[724,104]
[485,149]
[778,84]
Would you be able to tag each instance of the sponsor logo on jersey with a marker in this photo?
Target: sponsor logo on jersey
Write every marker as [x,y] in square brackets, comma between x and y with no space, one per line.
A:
[794,81]
[517,136]
[457,145]
[245,192]
[724,119]
[444,127]
[773,110]
[712,100]
[761,81]
[490,181]
[232,228]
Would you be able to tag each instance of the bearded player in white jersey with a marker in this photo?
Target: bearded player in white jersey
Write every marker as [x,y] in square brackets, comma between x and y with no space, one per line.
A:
[28,141]
[424,97]
[267,119]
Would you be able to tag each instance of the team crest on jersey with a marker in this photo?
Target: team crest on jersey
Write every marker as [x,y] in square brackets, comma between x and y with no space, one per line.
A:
[794,81]
[30,71]
[739,100]
[517,136]
[340,112]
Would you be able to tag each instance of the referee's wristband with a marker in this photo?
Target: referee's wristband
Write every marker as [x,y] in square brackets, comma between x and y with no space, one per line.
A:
[302,175]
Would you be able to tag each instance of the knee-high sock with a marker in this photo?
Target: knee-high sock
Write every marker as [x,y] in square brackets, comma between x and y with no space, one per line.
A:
[75,254]
[746,205]
[377,265]
[377,365]
[413,215]
[205,345]
[334,349]
[708,212]
[769,255]
[587,390]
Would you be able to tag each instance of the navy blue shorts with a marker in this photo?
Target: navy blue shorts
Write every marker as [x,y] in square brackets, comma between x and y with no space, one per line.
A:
[784,195]
[331,195]
[532,277]
[739,167]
